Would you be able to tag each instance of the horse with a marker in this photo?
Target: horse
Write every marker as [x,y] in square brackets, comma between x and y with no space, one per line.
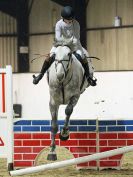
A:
[66,80]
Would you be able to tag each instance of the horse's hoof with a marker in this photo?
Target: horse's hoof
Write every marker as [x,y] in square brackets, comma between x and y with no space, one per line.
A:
[63,138]
[52,157]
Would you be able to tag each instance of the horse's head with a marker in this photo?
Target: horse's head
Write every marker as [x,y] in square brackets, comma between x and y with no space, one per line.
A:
[63,60]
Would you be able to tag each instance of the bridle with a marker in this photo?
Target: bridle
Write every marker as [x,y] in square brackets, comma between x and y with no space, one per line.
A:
[69,61]
[66,71]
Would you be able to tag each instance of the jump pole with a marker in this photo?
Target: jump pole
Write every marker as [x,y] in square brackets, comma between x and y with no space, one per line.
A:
[7,111]
[9,105]
[74,161]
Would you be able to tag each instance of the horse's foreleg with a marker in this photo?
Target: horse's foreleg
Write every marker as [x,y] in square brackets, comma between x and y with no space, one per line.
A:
[54,112]
[69,109]
[64,135]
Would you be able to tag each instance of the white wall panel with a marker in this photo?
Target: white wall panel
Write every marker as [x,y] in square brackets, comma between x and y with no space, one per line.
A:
[111,98]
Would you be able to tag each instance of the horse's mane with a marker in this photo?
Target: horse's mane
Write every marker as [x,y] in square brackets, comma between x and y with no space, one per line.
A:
[61,43]
[66,42]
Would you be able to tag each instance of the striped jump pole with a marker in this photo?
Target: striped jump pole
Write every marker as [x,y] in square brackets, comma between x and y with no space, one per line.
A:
[74,161]
[3,92]
[6,114]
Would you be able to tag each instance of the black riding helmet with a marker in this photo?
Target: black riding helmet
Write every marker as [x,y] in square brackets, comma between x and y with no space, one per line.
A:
[67,13]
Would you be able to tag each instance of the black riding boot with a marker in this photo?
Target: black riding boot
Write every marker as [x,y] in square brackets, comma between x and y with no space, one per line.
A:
[45,67]
[84,63]
[90,80]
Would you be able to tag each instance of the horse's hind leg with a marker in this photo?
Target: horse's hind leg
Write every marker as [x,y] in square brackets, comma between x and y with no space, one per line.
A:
[54,111]
[64,134]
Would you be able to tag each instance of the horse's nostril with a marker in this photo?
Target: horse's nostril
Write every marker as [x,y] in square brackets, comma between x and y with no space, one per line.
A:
[60,76]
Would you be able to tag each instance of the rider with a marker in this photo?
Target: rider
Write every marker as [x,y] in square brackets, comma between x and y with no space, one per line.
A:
[67,27]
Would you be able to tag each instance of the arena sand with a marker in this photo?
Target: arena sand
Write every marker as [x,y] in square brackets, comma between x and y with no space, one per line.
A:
[71,171]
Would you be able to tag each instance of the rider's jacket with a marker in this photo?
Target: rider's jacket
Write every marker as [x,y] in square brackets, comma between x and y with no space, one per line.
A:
[65,30]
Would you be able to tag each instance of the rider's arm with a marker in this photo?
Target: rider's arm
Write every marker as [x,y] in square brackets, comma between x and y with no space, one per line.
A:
[76,26]
[58,34]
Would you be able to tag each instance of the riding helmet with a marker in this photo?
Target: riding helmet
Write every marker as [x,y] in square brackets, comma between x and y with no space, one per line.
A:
[67,13]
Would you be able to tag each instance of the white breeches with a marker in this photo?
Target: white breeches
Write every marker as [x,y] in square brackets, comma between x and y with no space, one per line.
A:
[79,49]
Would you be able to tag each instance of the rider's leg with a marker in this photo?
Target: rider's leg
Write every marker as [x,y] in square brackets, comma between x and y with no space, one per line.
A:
[91,68]
[84,63]
[47,63]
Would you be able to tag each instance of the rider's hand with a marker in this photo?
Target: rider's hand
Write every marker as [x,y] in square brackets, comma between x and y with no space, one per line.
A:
[75,41]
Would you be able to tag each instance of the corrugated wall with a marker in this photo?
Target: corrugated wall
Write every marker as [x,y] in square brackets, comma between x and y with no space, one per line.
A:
[8,41]
[113,46]
[42,20]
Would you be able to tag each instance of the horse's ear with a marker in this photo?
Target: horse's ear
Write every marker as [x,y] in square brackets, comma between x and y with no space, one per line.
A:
[53,55]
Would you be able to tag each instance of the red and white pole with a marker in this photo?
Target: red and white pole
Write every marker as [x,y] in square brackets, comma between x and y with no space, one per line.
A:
[6,111]
[3,92]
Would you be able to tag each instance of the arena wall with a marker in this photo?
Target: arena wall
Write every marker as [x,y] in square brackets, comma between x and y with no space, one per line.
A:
[111,98]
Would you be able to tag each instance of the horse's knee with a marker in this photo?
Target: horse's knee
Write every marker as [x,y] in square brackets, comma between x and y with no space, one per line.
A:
[69,110]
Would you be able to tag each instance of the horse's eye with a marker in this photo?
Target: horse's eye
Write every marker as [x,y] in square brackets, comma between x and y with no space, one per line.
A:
[69,54]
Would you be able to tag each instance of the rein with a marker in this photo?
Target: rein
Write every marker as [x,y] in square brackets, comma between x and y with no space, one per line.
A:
[61,61]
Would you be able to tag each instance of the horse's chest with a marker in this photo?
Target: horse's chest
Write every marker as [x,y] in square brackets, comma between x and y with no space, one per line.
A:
[62,95]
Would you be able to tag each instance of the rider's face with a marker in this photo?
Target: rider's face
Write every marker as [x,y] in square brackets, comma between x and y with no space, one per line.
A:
[68,21]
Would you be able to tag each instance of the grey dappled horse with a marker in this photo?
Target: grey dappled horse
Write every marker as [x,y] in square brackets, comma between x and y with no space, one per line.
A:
[66,77]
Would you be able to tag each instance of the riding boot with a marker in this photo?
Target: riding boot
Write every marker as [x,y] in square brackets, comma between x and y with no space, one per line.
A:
[90,80]
[47,63]
[84,63]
